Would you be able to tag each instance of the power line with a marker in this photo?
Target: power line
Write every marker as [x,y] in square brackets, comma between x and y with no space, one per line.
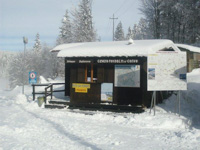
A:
[126,10]
[108,27]
[120,6]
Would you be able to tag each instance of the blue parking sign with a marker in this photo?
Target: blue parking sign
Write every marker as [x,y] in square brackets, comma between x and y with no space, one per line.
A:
[32,77]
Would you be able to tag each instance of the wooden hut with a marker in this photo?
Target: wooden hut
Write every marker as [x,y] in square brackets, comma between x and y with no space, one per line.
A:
[193,56]
[109,72]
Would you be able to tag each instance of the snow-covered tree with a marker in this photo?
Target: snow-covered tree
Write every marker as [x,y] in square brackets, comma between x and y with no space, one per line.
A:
[177,20]
[119,32]
[152,12]
[18,70]
[37,46]
[136,32]
[43,62]
[83,27]
[65,35]
[129,34]
[5,58]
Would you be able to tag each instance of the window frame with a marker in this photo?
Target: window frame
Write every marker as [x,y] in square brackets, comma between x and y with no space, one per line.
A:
[91,73]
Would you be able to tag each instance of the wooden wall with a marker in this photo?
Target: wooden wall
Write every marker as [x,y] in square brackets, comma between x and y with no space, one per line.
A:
[105,74]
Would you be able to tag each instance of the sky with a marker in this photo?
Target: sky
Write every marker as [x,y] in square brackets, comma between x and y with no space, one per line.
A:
[20,18]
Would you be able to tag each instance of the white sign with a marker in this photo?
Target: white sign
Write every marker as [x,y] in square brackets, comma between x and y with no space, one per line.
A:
[167,71]
[107,92]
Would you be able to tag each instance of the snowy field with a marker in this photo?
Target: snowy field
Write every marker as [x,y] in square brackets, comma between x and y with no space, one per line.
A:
[24,125]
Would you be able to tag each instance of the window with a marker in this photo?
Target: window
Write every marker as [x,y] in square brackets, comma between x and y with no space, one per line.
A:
[127,75]
[91,73]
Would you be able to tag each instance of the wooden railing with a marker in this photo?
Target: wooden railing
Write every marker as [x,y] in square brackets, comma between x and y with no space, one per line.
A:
[48,90]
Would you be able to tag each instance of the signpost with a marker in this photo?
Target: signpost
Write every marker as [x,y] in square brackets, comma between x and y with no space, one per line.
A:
[166,72]
[32,77]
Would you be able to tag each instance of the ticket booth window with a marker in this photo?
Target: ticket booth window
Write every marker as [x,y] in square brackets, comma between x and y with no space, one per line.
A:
[91,73]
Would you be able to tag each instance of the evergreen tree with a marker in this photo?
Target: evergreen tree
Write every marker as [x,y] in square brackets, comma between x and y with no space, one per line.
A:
[129,34]
[65,35]
[136,32]
[119,32]
[152,12]
[18,70]
[177,20]
[83,30]
[37,46]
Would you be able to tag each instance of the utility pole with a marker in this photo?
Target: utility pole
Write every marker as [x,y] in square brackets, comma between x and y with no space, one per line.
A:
[25,40]
[113,18]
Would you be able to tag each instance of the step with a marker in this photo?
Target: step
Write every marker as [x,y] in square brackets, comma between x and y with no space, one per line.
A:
[54,106]
[103,107]
[59,102]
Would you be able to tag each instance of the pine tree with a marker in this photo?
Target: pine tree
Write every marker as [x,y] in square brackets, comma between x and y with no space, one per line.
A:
[129,34]
[136,32]
[143,30]
[65,35]
[37,46]
[152,12]
[177,20]
[83,30]
[119,32]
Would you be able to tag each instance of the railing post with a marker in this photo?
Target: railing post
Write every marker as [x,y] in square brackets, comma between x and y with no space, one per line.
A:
[51,91]
[33,92]
[45,97]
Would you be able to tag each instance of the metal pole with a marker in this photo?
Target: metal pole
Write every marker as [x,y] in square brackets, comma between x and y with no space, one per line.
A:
[23,69]
[113,25]
[179,103]
[155,103]
[152,100]
[25,40]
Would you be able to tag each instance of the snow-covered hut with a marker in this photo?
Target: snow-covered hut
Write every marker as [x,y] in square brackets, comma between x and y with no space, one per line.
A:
[193,55]
[118,72]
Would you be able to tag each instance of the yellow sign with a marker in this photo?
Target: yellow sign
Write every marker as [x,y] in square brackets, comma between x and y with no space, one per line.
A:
[81,88]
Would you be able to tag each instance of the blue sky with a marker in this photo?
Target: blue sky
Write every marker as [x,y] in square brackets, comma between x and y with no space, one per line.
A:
[20,18]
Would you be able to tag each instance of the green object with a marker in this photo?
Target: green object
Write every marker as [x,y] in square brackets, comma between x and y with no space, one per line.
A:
[40,101]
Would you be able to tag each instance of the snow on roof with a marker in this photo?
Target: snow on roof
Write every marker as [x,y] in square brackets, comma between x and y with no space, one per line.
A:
[113,49]
[189,47]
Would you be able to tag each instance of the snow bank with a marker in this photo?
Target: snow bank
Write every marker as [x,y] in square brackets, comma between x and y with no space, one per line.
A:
[24,125]
[193,77]
[43,80]
[190,100]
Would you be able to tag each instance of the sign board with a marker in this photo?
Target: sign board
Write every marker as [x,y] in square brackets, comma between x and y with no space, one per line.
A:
[80,87]
[127,75]
[167,71]
[32,77]
[107,92]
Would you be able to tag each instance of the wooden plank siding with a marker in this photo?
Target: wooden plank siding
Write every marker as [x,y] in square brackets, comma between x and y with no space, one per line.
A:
[105,74]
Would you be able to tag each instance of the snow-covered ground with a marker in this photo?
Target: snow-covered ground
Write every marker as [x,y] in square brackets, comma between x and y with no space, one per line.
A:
[24,125]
